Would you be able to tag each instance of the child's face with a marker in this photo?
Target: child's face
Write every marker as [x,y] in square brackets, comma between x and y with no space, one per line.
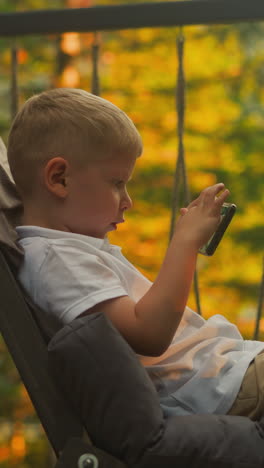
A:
[97,196]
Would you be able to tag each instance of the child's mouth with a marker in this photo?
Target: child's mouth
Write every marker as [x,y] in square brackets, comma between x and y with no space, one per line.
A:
[114,225]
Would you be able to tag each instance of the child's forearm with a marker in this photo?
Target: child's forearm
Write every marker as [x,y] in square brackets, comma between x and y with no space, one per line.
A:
[149,325]
[162,307]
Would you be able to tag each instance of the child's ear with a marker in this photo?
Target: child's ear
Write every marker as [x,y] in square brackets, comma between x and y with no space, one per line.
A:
[56,175]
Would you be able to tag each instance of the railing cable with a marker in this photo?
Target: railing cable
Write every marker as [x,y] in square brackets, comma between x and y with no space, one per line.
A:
[180,174]
[95,86]
[260,304]
[14,81]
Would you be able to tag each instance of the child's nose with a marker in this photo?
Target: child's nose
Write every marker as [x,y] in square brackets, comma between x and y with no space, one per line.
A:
[126,202]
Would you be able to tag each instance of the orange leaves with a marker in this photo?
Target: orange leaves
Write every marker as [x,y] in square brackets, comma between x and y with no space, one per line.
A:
[79,3]
[70,77]
[22,56]
[4,453]
[14,451]
[18,444]
[24,407]
[70,43]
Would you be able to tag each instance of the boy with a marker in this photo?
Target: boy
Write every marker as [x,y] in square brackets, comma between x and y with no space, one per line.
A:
[71,155]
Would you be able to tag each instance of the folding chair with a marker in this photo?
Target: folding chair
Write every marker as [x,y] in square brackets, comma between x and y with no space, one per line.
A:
[180,442]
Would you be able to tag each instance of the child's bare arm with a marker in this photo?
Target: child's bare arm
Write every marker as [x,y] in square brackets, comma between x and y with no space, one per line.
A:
[149,325]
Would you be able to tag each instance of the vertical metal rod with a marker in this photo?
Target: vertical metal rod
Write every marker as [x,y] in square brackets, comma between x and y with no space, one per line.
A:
[14,81]
[180,107]
[180,170]
[175,197]
[260,304]
[197,293]
[181,116]
[95,88]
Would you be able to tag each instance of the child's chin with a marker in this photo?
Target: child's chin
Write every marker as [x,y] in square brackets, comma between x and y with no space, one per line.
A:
[112,227]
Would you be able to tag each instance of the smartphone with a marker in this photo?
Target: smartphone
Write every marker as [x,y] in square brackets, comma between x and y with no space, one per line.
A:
[227,212]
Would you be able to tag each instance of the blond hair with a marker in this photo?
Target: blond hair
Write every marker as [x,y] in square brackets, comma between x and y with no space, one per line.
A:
[71,123]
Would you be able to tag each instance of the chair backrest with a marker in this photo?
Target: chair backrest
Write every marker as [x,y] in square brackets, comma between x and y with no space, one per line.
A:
[28,349]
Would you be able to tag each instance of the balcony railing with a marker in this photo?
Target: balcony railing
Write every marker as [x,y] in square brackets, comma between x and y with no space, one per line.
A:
[139,15]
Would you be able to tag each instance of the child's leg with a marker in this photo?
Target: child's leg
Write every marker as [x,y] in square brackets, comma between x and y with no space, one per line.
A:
[250,399]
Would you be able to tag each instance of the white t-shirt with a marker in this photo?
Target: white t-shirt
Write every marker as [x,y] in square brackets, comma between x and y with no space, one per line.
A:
[67,274]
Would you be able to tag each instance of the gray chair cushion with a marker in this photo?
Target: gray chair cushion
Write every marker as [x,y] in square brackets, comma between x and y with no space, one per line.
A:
[118,404]
[110,390]
[207,441]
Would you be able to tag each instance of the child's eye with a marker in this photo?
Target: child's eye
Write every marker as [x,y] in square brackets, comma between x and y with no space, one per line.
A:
[119,183]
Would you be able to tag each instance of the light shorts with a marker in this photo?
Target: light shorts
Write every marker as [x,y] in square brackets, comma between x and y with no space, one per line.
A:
[250,399]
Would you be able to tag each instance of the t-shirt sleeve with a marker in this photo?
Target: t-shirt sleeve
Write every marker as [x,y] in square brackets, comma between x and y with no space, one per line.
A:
[72,281]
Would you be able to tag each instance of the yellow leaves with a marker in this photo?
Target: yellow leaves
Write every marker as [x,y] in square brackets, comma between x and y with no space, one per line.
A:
[257,162]
[5,57]
[203,116]
[144,237]
[253,216]
[169,120]
[227,158]
[228,270]
[206,57]
[217,300]
[200,180]
[146,35]
[167,156]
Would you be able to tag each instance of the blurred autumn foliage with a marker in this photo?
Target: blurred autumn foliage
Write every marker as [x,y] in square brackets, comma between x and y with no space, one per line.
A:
[224,141]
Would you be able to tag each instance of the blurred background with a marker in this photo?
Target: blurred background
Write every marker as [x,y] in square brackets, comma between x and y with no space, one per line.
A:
[224,141]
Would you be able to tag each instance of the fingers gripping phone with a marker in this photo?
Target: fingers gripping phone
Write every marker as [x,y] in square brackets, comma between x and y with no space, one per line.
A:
[227,212]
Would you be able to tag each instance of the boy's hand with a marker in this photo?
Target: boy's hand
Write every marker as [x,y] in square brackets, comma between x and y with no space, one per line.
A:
[150,324]
[200,219]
